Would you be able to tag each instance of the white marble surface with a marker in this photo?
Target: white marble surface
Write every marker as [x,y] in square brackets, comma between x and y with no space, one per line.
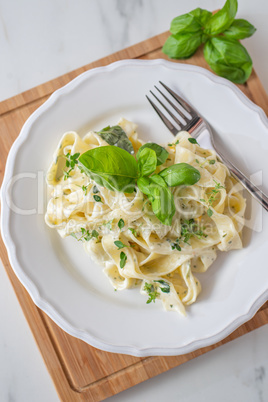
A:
[42,39]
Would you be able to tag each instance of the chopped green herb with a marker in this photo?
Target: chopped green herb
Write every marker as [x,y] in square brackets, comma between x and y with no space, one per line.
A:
[97,198]
[166,286]
[176,245]
[71,161]
[201,164]
[209,212]
[214,192]
[66,174]
[109,224]
[212,162]
[202,199]
[193,141]
[152,293]
[225,234]
[85,188]
[123,259]
[133,231]
[189,229]
[95,190]
[94,233]
[175,143]
[121,223]
[119,244]
[86,235]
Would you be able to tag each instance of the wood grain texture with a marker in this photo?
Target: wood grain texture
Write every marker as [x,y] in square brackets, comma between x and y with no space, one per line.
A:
[79,371]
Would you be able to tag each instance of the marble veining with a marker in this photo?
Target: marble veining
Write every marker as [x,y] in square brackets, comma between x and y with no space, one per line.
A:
[260,374]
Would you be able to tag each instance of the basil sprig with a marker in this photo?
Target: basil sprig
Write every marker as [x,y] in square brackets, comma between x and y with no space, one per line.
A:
[220,33]
[117,170]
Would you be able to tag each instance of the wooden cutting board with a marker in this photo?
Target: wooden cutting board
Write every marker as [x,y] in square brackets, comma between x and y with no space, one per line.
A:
[79,371]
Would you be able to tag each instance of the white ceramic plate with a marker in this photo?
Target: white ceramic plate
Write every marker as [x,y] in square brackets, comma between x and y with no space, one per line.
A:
[61,278]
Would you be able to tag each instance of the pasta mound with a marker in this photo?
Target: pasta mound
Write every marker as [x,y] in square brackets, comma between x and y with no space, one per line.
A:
[161,260]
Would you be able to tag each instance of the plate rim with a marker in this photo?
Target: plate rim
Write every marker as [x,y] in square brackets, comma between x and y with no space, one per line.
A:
[10,245]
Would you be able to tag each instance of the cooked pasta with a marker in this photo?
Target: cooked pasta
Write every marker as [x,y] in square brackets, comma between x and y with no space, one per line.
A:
[162,260]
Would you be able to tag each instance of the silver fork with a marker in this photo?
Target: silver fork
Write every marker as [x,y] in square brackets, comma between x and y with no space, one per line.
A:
[200,129]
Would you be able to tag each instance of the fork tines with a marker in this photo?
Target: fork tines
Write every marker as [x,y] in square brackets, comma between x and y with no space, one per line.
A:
[185,111]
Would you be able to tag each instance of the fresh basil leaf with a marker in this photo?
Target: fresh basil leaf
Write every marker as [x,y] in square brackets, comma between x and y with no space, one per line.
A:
[158,180]
[228,58]
[116,136]
[180,174]
[201,15]
[190,22]
[111,167]
[146,162]
[240,29]
[144,186]
[182,45]
[221,20]
[185,23]
[161,153]
[163,205]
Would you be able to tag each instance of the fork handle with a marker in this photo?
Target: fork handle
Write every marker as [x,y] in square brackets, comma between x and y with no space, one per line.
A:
[252,189]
